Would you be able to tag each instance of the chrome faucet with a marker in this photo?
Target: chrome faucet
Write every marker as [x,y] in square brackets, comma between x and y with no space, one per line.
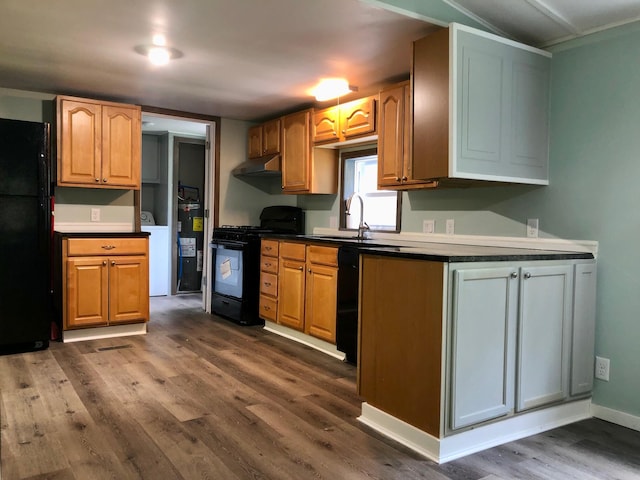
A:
[362,226]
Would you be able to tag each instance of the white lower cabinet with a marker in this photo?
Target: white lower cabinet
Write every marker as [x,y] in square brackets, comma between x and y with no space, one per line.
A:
[520,337]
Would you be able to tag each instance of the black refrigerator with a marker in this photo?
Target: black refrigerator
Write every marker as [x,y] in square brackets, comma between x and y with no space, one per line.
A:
[25,236]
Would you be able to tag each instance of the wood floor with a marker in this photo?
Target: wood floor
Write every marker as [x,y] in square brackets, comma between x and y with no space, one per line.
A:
[201,398]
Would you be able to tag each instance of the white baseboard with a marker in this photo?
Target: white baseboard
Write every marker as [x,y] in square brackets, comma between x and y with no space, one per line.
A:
[291,334]
[96,333]
[465,443]
[615,416]
[75,227]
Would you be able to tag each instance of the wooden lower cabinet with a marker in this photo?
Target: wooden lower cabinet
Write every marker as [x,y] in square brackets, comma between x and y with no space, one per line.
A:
[307,288]
[102,281]
[321,293]
[291,285]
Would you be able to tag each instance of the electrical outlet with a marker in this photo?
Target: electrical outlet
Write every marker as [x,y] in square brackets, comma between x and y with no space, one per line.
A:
[450,226]
[428,226]
[532,228]
[602,368]
[95,214]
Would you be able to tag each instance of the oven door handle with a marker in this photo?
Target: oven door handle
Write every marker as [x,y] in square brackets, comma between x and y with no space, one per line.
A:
[228,244]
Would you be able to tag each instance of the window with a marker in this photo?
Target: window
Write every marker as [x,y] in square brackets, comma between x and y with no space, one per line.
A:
[360,175]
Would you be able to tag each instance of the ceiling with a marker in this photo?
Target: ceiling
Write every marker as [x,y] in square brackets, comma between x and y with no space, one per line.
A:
[251,59]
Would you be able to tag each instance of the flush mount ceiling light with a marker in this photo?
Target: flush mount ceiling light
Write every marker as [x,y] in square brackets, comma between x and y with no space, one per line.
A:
[329,88]
[158,53]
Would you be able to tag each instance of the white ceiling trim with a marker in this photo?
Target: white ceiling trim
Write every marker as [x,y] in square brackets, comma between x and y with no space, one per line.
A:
[550,13]
[590,31]
[478,19]
[405,12]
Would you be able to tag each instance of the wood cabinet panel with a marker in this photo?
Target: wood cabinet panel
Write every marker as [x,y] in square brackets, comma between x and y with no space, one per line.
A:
[296,152]
[269,284]
[128,289]
[358,118]
[401,338]
[80,142]
[326,125]
[269,247]
[106,246]
[293,251]
[87,292]
[121,146]
[269,264]
[317,254]
[291,285]
[268,308]
[321,301]
[255,141]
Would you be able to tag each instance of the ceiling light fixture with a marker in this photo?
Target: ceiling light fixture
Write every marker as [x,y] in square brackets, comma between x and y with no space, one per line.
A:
[158,53]
[330,88]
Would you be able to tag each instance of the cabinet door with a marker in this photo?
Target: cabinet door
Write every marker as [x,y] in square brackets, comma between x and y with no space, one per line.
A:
[326,124]
[544,335]
[296,151]
[121,151]
[80,137]
[271,137]
[483,338]
[255,141]
[321,302]
[358,118]
[291,284]
[391,137]
[87,292]
[584,328]
[128,289]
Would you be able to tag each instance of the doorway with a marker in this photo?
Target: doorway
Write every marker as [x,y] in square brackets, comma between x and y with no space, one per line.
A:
[177,155]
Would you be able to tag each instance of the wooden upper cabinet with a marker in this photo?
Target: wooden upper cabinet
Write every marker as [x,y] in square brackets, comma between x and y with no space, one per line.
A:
[79,142]
[264,139]
[296,152]
[395,162]
[99,144]
[358,118]
[343,122]
[255,141]
[271,133]
[326,125]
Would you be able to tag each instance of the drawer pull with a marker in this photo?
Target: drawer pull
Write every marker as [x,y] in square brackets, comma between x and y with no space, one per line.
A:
[108,247]
[267,248]
[266,307]
[267,284]
[267,264]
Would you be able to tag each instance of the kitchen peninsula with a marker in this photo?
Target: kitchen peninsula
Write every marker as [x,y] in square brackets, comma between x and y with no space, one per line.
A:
[463,347]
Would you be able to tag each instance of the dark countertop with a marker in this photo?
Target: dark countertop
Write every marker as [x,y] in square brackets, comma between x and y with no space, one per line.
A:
[440,252]
[101,234]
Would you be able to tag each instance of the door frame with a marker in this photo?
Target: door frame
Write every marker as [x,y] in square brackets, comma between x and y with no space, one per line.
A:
[211,195]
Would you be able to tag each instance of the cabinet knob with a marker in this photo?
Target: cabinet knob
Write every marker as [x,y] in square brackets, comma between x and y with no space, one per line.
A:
[113,263]
[527,275]
[397,179]
[300,268]
[309,270]
[97,179]
[404,179]
[514,275]
[104,180]
[334,133]
[104,262]
[344,132]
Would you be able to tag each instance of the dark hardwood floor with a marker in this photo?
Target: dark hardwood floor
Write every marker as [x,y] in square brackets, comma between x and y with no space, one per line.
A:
[201,398]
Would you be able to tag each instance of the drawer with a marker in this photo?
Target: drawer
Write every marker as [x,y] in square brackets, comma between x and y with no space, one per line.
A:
[268,264]
[323,255]
[269,284]
[106,246]
[269,247]
[268,308]
[293,251]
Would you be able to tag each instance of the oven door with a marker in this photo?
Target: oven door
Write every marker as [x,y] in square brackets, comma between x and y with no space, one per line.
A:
[228,267]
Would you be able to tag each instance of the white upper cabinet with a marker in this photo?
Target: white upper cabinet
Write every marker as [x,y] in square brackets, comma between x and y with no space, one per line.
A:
[481,108]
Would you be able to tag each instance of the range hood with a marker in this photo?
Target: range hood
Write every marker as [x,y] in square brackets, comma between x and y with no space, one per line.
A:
[260,166]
